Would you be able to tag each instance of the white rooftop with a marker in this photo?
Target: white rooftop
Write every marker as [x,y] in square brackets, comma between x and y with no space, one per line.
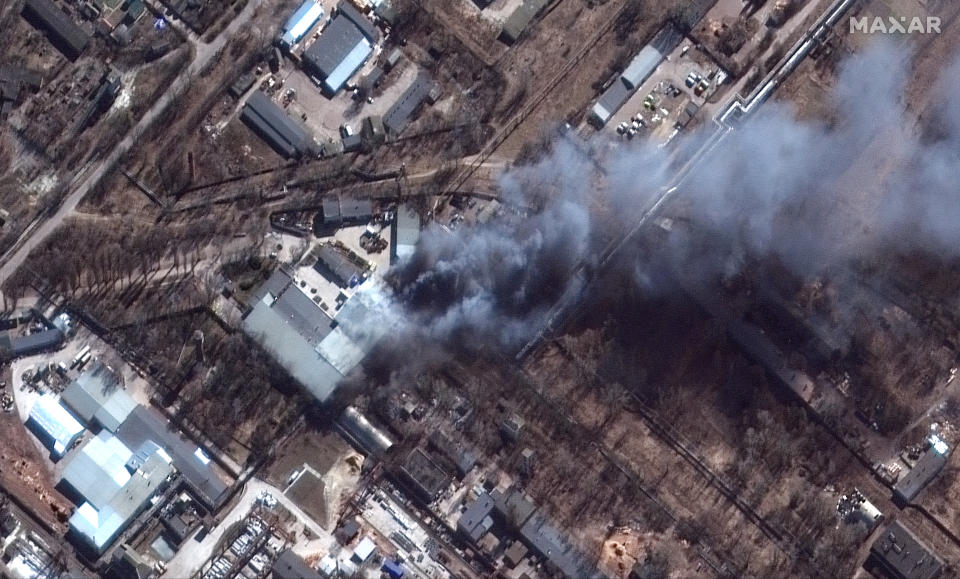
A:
[56,423]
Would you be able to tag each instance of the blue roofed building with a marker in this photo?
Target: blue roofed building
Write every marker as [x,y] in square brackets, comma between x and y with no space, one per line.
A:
[53,425]
[343,47]
[301,21]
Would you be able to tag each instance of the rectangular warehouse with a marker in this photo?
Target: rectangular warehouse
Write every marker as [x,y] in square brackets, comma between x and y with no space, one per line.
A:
[300,22]
[114,484]
[403,110]
[53,425]
[637,72]
[340,51]
[284,134]
[69,38]
[97,396]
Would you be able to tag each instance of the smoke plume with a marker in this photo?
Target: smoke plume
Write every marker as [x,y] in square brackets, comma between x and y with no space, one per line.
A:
[814,194]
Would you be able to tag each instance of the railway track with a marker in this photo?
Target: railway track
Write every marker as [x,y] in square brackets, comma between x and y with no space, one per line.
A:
[785,541]
[507,130]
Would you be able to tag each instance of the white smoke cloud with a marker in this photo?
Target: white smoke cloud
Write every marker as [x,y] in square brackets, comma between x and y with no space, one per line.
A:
[775,187]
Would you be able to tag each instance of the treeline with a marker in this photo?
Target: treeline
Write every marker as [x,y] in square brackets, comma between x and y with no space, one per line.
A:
[94,255]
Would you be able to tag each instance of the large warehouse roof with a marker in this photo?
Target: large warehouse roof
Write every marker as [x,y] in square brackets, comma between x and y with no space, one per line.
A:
[65,35]
[98,396]
[341,49]
[99,469]
[300,22]
[146,425]
[284,134]
[54,425]
[318,365]
[278,322]
[31,343]
[114,483]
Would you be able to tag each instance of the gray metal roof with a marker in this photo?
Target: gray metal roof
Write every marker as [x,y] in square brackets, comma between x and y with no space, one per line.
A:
[332,262]
[35,342]
[650,57]
[65,34]
[611,100]
[53,424]
[337,209]
[146,424]
[359,20]
[305,316]
[98,470]
[930,463]
[903,555]
[290,566]
[553,545]
[283,133]
[97,395]
[471,522]
[291,350]
[336,42]
[403,109]
[114,490]
[366,435]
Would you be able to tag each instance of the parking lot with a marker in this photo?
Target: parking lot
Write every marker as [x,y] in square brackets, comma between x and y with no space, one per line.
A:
[324,116]
[659,100]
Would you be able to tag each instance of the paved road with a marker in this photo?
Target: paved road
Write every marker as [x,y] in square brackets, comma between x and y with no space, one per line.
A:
[88,177]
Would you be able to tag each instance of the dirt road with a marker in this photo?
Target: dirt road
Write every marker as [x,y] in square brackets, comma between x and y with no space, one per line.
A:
[90,176]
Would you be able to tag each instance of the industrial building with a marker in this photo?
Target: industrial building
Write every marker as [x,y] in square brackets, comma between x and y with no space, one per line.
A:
[285,135]
[404,108]
[69,38]
[290,566]
[520,19]
[406,233]
[339,211]
[113,485]
[899,554]
[462,459]
[423,476]
[337,266]
[303,339]
[300,22]
[513,507]
[930,463]
[550,543]
[636,73]
[476,521]
[56,428]
[146,426]
[98,397]
[42,341]
[361,433]
[343,47]
[290,326]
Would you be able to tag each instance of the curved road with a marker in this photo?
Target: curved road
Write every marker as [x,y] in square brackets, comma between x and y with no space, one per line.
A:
[88,177]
